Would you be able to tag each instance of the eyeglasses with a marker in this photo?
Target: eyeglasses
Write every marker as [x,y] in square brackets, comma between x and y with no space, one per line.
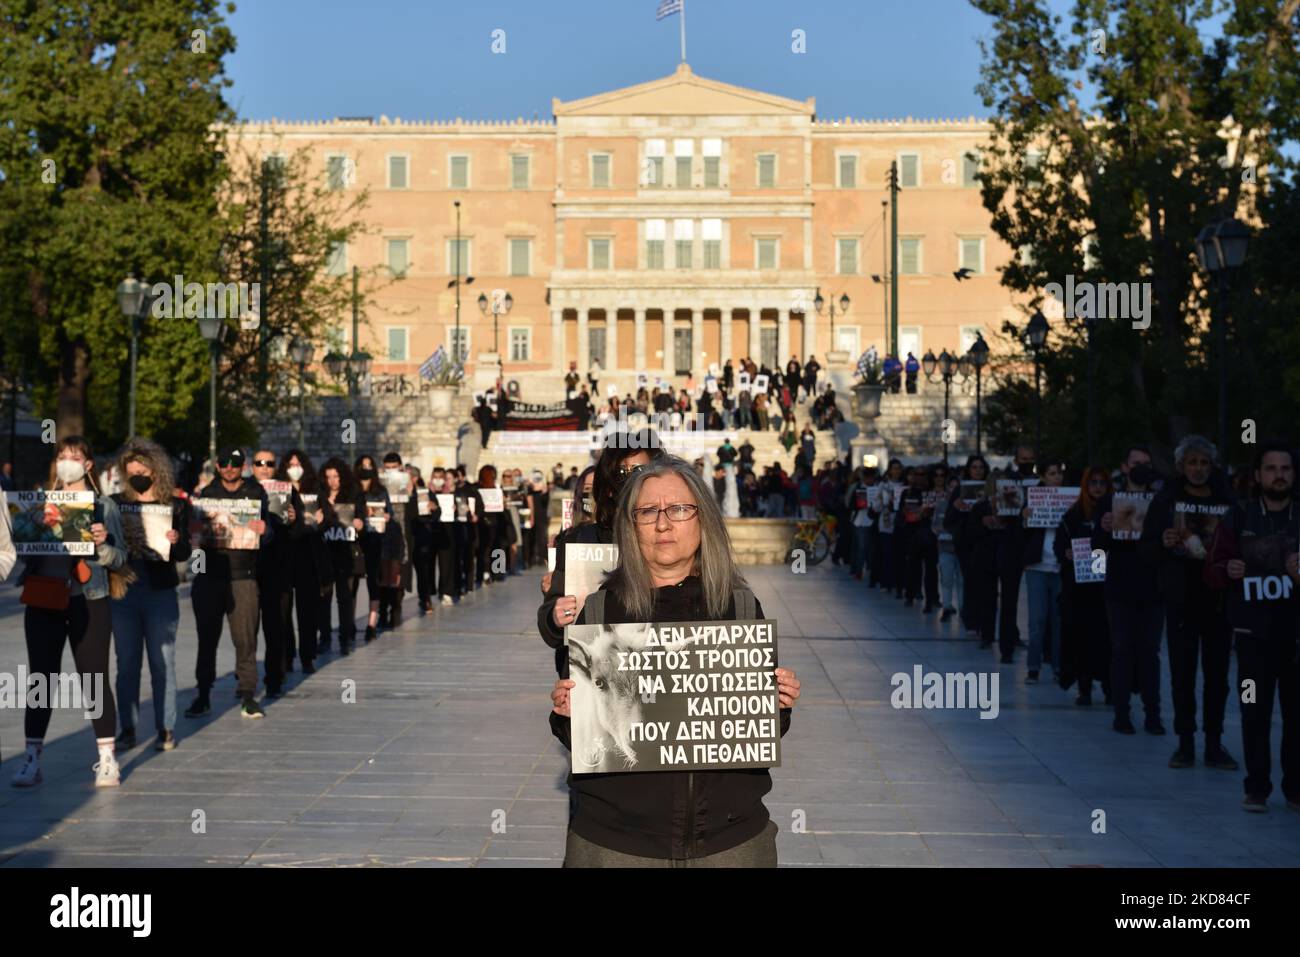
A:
[626,470]
[675,513]
[264,463]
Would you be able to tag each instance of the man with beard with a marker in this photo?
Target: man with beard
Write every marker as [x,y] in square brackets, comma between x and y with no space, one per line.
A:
[1253,559]
[1133,604]
[1178,530]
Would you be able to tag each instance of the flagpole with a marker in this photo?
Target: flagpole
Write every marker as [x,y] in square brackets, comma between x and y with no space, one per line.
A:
[683,25]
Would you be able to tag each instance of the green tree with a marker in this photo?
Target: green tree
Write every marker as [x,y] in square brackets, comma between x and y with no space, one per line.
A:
[1117,191]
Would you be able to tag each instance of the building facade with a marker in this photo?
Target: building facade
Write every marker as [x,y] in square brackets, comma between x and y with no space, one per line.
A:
[660,228]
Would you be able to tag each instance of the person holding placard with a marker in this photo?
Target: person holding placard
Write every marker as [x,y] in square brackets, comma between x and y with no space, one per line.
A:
[1085,630]
[67,594]
[1000,564]
[226,588]
[310,569]
[675,564]
[376,512]
[342,508]
[1133,603]
[274,561]
[443,515]
[145,619]
[966,533]
[395,558]
[493,540]
[1043,584]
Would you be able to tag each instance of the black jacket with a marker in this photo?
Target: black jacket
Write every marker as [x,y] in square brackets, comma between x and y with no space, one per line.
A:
[1266,602]
[588,533]
[1073,525]
[154,573]
[1180,570]
[668,814]
[1130,566]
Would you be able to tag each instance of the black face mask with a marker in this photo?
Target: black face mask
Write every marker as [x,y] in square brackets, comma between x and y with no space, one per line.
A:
[141,483]
[1141,474]
[1026,469]
[366,475]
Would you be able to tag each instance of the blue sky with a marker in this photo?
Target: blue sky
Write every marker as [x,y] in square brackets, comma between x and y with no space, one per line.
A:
[431,59]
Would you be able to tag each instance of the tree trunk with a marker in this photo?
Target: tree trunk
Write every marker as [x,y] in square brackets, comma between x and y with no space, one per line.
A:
[74,376]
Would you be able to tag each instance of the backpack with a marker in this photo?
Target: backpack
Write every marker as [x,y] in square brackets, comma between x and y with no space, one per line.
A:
[593,608]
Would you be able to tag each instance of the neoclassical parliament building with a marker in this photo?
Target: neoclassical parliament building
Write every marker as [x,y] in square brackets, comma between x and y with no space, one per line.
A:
[659,228]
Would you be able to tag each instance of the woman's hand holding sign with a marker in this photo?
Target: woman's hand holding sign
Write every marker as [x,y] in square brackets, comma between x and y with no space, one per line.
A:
[560,695]
[787,686]
[565,611]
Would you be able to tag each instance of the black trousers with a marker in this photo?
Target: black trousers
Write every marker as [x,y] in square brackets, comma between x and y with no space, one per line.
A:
[87,626]
[1196,629]
[1085,637]
[305,596]
[1135,646]
[422,564]
[970,592]
[271,593]
[215,599]
[922,562]
[997,597]
[1270,662]
[342,589]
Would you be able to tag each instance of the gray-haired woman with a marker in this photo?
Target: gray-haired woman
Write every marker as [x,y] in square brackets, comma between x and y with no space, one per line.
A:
[675,564]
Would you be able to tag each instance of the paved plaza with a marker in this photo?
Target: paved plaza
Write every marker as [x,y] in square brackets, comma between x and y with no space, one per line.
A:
[446,759]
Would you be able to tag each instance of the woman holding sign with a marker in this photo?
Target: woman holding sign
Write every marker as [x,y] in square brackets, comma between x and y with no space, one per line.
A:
[67,599]
[376,511]
[157,526]
[1085,633]
[675,566]
[1043,582]
[341,509]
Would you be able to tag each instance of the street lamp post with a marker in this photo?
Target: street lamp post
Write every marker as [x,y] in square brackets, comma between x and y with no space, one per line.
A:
[1221,249]
[500,304]
[135,301]
[213,330]
[301,351]
[948,367]
[819,303]
[1036,339]
[979,357]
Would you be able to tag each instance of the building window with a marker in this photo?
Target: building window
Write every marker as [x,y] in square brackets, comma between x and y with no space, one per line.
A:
[684,153]
[846,260]
[848,170]
[519,166]
[909,257]
[653,175]
[459,339]
[337,167]
[712,149]
[766,253]
[458,251]
[909,340]
[654,243]
[766,170]
[397,336]
[600,253]
[684,242]
[521,253]
[970,170]
[847,340]
[397,169]
[600,163]
[399,257]
[337,262]
[909,170]
[971,252]
[712,236]
[521,344]
[596,346]
[458,175]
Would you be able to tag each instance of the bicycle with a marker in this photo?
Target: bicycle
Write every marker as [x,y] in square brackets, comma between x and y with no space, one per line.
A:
[814,539]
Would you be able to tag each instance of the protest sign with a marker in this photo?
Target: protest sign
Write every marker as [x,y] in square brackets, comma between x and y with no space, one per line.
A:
[446,506]
[1128,515]
[52,523]
[1047,505]
[760,383]
[585,567]
[376,515]
[310,506]
[1081,552]
[279,496]
[493,499]
[566,514]
[972,491]
[345,514]
[423,507]
[674,696]
[1195,524]
[1010,497]
[146,525]
[223,523]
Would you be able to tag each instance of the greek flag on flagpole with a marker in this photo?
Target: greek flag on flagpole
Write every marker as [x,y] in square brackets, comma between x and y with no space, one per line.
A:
[667,8]
[433,365]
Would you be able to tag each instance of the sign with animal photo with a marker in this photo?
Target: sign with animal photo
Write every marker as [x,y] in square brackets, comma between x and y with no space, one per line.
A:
[679,696]
[310,505]
[376,515]
[1128,513]
[223,523]
[345,513]
[493,500]
[1048,505]
[146,525]
[423,507]
[1010,497]
[1195,524]
[279,496]
[972,490]
[585,567]
[52,523]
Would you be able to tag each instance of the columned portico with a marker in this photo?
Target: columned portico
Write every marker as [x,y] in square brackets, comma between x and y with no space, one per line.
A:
[638,325]
[584,343]
[782,336]
[755,320]
[725,334]
[668,368]
[611,338]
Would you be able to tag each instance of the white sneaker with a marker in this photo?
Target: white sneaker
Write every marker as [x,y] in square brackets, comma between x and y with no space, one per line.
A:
[107,773]
[29,775]
[446,601]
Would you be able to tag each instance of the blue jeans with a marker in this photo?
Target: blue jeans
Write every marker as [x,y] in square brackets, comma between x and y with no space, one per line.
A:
[858,555]
[146,619]
[950,581]
[1044,616]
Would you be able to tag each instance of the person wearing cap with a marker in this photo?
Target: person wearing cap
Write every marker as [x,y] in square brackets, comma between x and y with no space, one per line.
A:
[227,586]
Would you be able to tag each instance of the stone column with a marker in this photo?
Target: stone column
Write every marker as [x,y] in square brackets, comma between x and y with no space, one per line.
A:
[611,338]
[638,335]
[755,350]
[724,336]
[584,346]
[697,342]
[557,342]
[668,343]
[782,337]
[809,335]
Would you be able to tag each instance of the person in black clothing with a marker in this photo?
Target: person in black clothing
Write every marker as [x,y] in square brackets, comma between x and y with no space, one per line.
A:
[145,619]
[395,557]
[1085,631]
[1133,603]
[443,527]
[966,532]
[422,550]
[728,376]
[227,588]
[999,563]
[483,416]
[493,543]
[810,370]
[624,453]
[1181,521]
[540,494]
[911,367]
[1253,560]
[341,509]
[310,569]
[675,564]
[917,542]
[376,512]
[274,562]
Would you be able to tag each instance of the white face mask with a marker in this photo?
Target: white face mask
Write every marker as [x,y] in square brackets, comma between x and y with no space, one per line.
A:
[437,483]
[588,506]
[69,471]
[294,472]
